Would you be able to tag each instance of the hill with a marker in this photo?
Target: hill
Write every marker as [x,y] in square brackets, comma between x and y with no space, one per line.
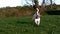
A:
[25,11]
[16,11]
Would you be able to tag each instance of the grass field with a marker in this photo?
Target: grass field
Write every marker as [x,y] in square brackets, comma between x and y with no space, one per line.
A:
[50,24]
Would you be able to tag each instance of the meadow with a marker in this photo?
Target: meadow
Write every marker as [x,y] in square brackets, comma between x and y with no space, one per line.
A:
[50,24]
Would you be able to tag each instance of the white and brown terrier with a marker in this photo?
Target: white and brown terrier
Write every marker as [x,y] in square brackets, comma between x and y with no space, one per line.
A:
[36,17]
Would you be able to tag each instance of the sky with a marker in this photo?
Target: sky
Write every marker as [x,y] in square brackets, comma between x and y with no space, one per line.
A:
[13,3]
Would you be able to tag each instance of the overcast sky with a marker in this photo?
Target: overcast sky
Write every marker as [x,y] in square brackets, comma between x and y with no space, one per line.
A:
[13,3]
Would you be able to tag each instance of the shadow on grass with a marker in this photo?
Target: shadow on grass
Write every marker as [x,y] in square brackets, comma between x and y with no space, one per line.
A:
[53,12]
[2,30]
[25,22]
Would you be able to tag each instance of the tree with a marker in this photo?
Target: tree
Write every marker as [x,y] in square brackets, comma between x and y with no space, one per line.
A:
[36,3]
[51,3]
[42,8]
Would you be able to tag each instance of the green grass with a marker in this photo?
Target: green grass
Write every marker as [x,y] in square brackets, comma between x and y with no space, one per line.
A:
[50,24]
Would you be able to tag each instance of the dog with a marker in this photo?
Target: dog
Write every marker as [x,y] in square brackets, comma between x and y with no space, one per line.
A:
[36,17]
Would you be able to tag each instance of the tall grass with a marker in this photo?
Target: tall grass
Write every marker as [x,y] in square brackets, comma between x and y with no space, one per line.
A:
[50,24]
